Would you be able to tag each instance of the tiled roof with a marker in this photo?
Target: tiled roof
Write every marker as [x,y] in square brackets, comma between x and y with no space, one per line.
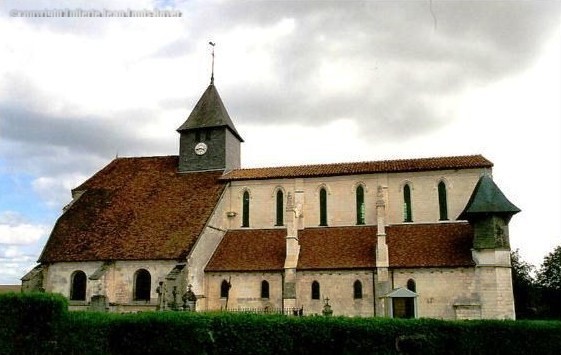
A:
[353,247]
[135,209]
[250,250]
[384,166]
[337,248]
[430,245]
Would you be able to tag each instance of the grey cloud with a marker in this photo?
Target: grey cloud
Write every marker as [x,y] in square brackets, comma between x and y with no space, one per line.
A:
[471,44]
[70,143]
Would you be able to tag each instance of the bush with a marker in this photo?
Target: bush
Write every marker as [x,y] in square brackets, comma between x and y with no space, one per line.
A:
[29,322]
[39,323]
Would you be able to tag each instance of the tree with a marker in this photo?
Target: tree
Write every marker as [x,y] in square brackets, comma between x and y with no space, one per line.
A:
[549,279]
[523,286]
[549,275]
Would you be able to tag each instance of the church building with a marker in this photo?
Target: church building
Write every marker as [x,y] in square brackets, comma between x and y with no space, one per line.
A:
[394,238]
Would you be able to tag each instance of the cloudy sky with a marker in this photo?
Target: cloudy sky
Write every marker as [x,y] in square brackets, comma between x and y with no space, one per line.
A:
[305,82]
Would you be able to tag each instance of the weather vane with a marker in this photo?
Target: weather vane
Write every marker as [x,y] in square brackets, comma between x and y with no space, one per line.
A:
[212,73]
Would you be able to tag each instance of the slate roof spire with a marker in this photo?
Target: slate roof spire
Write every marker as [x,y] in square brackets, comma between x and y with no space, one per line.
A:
[488,199]
[209,112]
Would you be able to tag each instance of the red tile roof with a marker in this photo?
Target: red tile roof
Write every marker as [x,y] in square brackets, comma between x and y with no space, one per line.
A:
[250,250]
[353,247]
[135,209]
[384,166]
[338,248]
[430,245]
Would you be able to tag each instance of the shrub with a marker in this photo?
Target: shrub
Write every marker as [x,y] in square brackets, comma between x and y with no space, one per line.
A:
[40,323]
[29,322]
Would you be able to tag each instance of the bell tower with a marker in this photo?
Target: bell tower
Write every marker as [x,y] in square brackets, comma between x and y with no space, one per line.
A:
[208,138]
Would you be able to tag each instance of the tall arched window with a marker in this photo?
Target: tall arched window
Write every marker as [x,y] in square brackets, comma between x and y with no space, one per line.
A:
[442,202]
[322,207]
[264,289]
[407,212]
[280,208]
[142,285]
[78,286]
[224,289]
[357,290]
[360,205]
[315,290]
[245,209]
[411,286]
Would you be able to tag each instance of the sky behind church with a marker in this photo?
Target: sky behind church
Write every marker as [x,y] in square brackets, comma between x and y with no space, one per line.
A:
[304,82]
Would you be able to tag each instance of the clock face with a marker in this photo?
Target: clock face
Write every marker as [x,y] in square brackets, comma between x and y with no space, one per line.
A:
[200,148]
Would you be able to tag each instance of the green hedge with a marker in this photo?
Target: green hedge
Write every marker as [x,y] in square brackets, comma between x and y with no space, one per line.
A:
[29,323]
[41,324]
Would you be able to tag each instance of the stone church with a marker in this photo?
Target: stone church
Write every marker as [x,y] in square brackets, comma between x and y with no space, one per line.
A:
[395,238]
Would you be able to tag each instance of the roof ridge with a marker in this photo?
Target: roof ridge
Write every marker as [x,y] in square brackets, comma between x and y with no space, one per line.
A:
[363,167]
[362,162]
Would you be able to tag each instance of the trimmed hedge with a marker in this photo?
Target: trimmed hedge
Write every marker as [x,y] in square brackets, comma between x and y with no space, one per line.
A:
[41,324]
[29,322]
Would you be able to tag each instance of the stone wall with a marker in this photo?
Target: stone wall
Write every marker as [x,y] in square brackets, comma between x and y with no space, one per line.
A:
[440,290]
[206,245]
[338,287]
[341,198]
[245,291]
[117,283]
[494,276]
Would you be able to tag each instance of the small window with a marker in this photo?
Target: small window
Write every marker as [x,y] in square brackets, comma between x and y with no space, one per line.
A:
[78,283]
[322,207]
[280,208]
[245,209]
[360,205]
[264,289]
[208,135]
[407,212]
[315,290]
[225,289]
[411,286]
[197,136]
[142,285]
[442,201]
[357,290]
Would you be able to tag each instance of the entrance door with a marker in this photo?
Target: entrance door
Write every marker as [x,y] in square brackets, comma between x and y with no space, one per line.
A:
[403,307]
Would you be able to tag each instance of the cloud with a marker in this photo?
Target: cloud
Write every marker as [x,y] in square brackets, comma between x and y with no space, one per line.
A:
[13,231]
[386,66]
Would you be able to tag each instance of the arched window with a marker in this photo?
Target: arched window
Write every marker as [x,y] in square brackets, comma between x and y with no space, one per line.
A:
[442,202]
[78,286]
[224,289]
[280,208]
[360,205]
[245,209]
[322,207]
[411,286]
[315,290]
[407,212]
[264,289]
[142,285]
[357,290]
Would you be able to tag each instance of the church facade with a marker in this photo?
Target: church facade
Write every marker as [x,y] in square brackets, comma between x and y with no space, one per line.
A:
[396,238]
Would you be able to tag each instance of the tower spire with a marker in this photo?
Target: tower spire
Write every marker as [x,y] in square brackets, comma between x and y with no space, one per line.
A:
[212,73]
